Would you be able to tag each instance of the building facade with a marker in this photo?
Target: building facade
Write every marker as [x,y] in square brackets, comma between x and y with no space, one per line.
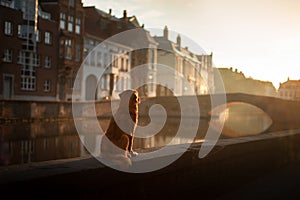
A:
[105,70]
[143,48]
[290,90]
[28,51]
[143,55]
[69,15]
[182,72]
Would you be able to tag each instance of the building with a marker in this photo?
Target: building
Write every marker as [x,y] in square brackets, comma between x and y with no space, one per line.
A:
[290,90]
[236,82]
[28,51]
[45,42]
[207,72]
[186,73]
[69,15]
[107,64]
[143,55]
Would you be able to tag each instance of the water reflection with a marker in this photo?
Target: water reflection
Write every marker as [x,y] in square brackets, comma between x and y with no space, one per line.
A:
[242,119]
[33,142]
[41,141]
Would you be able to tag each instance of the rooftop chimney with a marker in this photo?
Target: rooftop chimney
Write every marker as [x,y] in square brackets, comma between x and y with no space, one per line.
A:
[179,41]
[166,32]
[125,14]
[109,11]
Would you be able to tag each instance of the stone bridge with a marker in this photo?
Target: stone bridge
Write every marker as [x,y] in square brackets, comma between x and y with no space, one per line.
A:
[285,114]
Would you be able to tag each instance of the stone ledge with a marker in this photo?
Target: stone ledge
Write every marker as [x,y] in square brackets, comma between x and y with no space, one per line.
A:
[41,170]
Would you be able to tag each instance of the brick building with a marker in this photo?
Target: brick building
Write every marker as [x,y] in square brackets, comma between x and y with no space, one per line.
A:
[28,51]
[69,15]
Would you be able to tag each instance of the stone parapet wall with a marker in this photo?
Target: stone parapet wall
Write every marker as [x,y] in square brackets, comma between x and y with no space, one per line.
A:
[284,113]
[18,110]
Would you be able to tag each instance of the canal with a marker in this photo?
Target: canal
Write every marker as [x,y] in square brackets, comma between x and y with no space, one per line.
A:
[24,142]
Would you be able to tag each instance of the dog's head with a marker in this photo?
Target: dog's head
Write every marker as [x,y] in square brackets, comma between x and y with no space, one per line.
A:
[130,96]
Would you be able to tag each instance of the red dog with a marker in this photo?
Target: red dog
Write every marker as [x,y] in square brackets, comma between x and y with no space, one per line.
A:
[119,136]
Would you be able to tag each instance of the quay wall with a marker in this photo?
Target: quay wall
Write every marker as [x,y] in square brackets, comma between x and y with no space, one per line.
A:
[284,113]
[18,109]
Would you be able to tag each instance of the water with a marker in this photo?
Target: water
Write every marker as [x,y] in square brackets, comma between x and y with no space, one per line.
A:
[41,141]
[242,119]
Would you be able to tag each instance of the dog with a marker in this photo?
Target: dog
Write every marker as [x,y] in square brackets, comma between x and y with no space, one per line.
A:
[117,142]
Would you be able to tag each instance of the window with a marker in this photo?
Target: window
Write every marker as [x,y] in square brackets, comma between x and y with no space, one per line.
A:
[35,60]
[102,84]
[127,65]
[28,78]
[47,62]
[105,60]
[118,83]
[48,39]
[105,82]
[8,28]
[19,30]
[6,3]
[61,48]
[68,46]
[70,23]
[115,61]
[77,52]
[38,36]
[92,58]
[28,71]
[8,56]
[21,57]
[98,59]
[123,67]
[29,58]
[78,25]
[47,86]
[62,21]
[72,3]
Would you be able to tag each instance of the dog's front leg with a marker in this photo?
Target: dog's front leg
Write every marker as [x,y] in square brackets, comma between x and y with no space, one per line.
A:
[130,146]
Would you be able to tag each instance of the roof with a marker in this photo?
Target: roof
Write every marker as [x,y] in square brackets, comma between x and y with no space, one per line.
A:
[136,38]
[167,45]
[95,21]
[290,83]
[103,14]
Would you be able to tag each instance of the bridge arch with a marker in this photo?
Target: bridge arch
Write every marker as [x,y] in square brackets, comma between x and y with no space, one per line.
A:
[285,114]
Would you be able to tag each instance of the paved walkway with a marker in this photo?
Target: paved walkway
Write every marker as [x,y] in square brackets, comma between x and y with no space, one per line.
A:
[280,184]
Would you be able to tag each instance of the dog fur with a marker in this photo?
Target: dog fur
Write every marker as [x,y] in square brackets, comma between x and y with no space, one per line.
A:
[117,143]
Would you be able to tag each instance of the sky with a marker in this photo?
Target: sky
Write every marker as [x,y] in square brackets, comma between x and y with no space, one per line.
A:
[260,38]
